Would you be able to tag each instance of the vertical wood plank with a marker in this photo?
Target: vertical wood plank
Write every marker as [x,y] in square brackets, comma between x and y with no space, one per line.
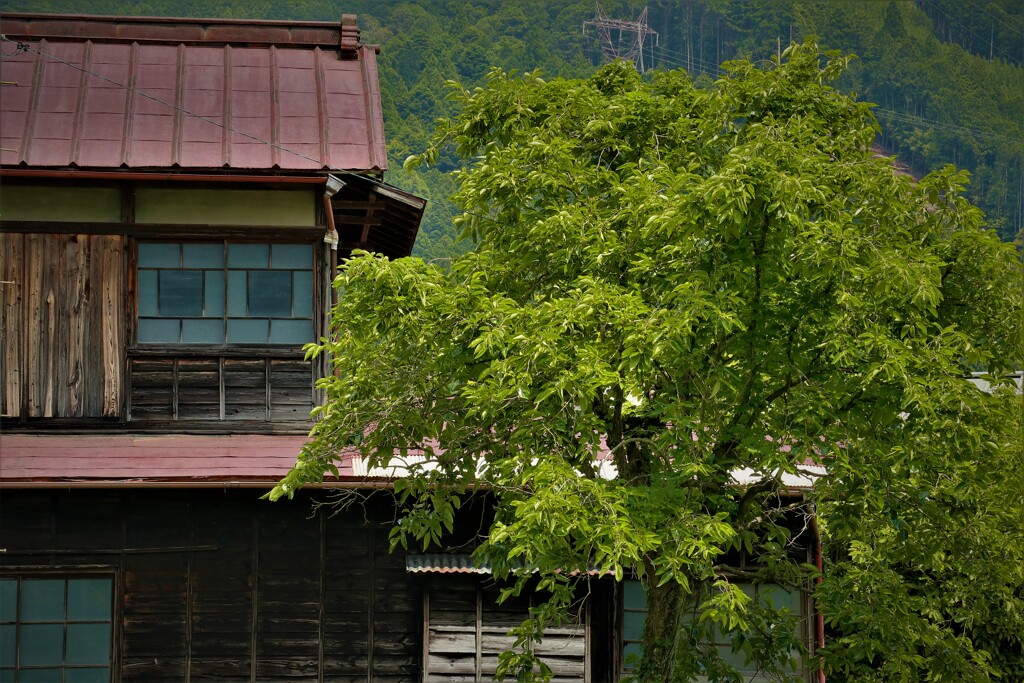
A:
[76,257]
[51,333]
[94,341]
[190,592]
[254,626]
[113,323]
[56,322]
[57,274]
[12,326]
[322,532]
[426,634]
[34,323]
[370,608]
[479,634]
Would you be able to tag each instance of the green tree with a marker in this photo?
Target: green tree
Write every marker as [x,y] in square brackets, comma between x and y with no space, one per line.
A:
[694,282]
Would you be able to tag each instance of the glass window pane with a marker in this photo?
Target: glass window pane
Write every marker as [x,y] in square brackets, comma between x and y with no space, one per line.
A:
[629,653]
[157,255]
[634,596]
[242,331]
[87,675]
[88,644]
[778,597]
[737,660]
[238,292]
[214,295]
[633,625]
[293,256]
[270,293]
[89,599]
[202,331]
[248,256]
[42,600]
[147,292]
[181,292]
[8,599]
[302,294]
[7,632]
[6,675]
[41,644]
[203,255]
[155,331]
[39,675]
[291,331]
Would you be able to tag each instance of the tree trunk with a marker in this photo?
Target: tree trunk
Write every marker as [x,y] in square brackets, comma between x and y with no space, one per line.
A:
[660,631]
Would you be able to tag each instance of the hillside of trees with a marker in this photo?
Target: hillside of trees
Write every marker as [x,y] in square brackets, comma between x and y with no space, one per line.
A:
[946,75]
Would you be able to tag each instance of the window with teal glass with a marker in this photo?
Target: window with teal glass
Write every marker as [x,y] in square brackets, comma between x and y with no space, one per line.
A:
[634,613]
[225,293]
[56,629]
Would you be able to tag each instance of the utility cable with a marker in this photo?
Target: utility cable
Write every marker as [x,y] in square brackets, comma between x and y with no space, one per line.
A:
[905,118]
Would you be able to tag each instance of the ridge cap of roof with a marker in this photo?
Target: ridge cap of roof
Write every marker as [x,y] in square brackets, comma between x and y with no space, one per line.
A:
[340,35]
[150,19]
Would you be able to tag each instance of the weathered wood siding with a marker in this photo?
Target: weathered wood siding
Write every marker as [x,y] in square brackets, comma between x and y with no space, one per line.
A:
[467,630]
[218,585]
[172,388]
[63,325]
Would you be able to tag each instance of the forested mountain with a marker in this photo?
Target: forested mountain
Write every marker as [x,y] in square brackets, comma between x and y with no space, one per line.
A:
[946,75]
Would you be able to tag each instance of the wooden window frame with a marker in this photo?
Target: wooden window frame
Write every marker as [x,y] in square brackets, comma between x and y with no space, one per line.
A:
[317,303]
[226,356]
[66,574]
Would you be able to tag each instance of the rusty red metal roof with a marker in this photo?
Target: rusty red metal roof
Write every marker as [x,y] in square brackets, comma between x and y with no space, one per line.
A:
[150,460]
[145,93]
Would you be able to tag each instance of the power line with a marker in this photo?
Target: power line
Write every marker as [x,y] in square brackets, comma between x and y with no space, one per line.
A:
[906,118]
[705,66]
[1000,50]
[1008,20]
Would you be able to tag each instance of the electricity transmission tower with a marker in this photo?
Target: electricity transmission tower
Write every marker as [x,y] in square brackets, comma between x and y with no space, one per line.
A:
[629,37]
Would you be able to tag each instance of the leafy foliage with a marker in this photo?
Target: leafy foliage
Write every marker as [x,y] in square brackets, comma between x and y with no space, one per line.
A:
[947,74]
[697,282]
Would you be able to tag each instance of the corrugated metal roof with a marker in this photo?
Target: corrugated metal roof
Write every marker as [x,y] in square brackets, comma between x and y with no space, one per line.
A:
[104,92]
[147,460]
[444,564]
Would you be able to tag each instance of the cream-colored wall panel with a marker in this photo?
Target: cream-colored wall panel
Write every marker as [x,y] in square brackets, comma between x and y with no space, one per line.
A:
[183,206]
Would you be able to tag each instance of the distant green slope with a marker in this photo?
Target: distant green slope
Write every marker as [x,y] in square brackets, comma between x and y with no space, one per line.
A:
[946,74]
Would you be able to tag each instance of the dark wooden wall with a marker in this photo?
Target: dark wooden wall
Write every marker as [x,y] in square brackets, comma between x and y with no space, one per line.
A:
[218,585]
[173,387]
[63,325]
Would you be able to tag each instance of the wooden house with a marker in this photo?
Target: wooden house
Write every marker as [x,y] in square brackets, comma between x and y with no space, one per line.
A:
[174,196]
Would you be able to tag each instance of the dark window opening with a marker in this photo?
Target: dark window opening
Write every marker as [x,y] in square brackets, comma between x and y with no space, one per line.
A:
[56,629]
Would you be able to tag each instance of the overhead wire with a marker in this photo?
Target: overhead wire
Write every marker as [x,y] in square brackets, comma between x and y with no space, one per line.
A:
[1000,50]
[1007,20]
[903,117]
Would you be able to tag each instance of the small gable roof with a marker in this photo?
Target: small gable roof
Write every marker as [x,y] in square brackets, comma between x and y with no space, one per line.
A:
[93,92]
